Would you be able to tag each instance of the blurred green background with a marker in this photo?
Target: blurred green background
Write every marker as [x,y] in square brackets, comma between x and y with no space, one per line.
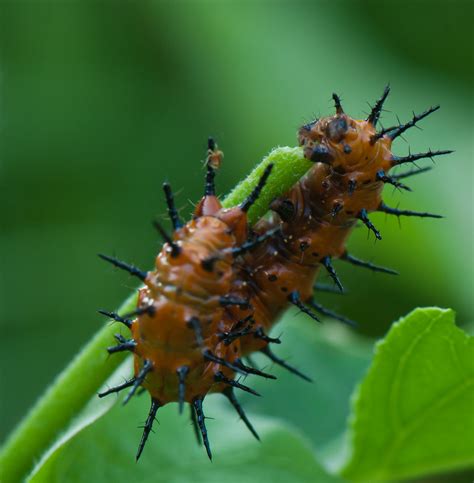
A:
[102,101]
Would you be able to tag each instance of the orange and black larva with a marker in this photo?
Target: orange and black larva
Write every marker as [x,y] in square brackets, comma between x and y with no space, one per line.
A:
[276,265]
[182,337]
[317,215]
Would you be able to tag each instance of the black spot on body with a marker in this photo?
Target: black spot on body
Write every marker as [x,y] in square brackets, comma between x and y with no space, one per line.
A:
[337,129]
[321,154]
[284,208]
[304,245]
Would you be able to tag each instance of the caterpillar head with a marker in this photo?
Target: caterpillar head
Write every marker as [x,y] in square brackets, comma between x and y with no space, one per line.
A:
[346,144]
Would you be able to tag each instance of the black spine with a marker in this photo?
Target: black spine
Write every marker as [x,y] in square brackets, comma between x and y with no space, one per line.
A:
[326,261]
[229,393]
[347,257]
[374,115]
[155,405]
[182,372]
[395,211]
[197,403]
[172,211]
[283,364]
[295,299]
[253,196]
[363,216]
[330,313]
[147,367]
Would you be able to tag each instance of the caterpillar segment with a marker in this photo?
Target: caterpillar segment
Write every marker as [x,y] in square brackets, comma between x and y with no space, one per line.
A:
[352,164]
[218,286]
[182,337]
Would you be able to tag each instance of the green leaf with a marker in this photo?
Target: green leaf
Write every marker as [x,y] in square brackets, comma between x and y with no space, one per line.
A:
[67,396]
[105,451]
[333,355]
[413,413]
[94,410]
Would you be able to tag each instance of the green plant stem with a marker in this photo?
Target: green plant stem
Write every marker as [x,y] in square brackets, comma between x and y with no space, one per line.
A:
[91,367]
[289,167]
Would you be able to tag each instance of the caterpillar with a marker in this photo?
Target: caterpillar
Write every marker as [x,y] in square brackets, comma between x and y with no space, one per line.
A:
[317,215]
[219,286]
[181,331]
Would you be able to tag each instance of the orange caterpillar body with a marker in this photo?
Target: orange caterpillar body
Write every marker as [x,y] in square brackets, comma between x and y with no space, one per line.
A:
[180,336]
[218,288]
[317,215]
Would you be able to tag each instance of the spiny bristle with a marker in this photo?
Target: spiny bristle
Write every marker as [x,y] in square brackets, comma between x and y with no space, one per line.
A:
[125,266]
[148,309]
[118,388]
[322,287]
[253,196]
[194,422]
[210,187]
[412,172]
[260,334]
[365,219]
[283,364]
[172,211]
[209,356]
[295,299]
[126,345]
[229,393]
[397,160]
[229,337]
[374,115]
[195,324]
[252,370]
[381,176]
[175,249]
[182,372]
[394,131]
[330,313]
[326,261]
[197,403]
[147,367]
[362,263]
[116,317]
[155,405]
[337,104]
[249,244]
[395,211]
[220,377]
[416,117]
